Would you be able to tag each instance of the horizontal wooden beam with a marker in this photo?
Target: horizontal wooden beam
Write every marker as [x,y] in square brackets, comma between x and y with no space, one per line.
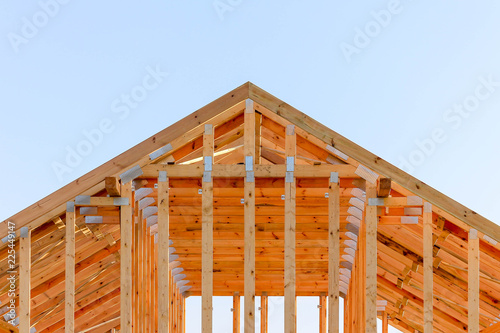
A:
[261,171]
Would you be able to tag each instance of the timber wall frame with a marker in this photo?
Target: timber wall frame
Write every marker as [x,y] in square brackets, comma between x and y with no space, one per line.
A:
[250,197]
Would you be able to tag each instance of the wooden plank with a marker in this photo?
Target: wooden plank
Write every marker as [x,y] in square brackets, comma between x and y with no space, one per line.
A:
[141,271]
[207,232]
[264,313]
[249,220]
[236,312]
[258,138]
[495,328]
[346,311]
[290,194]
[183,323]
[322,314]
[374,162]
[147,284]
[333,253]
[385,322]
[236,171]
[156,288]
[473,282]
[8,328]
[69,299]
[112,186]
[24,280]
[359,307]
[428,246]
[126,228]
[135,273]
[371,260]
[54,203]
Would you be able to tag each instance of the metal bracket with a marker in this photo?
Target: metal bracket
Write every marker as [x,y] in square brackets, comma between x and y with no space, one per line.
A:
[81,200]
[131,174]
[409,219]
[249,108]
[207,177]
[70,206]
[250,177]
[290,164]
[208,163]
[289,177]
[334,177]
[490,240]
[337,152]
[93,219]
[25,232]
[375,201]
[163,150]
[142,193]
[88,210]
[162,176]
[248,163]
[148,201]
[367,174]
[120,201]
[472,234]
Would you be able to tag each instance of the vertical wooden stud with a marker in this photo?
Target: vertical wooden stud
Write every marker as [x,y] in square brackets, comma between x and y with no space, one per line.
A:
[236,312]
[371,260]
[290,194]
[207,231]
[333,252]
[322,314]
[428,269]
[24,279]
[163,253]
[385,323]
[263,313]
[69,325]
[249,270]
[473,281]
[126,261]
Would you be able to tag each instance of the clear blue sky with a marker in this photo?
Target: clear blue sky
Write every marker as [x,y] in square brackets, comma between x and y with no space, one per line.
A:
[413,81]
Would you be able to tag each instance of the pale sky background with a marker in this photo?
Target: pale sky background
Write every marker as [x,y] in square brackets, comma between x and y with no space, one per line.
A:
[62,79]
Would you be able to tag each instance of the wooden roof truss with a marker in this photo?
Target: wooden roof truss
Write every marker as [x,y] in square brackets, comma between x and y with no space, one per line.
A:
[248,196]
